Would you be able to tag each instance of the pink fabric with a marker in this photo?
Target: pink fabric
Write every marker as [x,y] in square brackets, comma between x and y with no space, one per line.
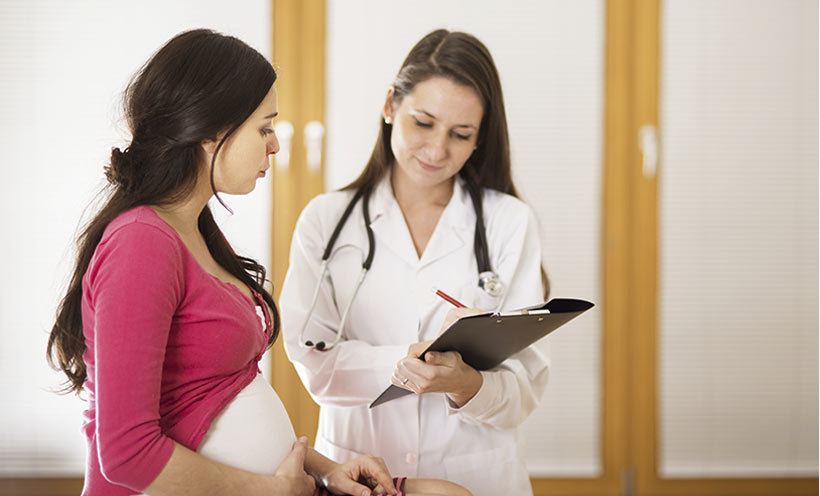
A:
[398,482]
[168,347]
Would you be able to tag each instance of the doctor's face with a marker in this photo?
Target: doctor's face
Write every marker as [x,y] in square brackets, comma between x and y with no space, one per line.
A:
[435,130]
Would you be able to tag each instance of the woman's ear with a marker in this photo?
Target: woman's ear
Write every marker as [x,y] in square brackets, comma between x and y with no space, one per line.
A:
[209,145]
[387,111]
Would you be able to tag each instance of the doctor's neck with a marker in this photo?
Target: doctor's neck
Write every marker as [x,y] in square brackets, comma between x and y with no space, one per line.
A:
[410,194]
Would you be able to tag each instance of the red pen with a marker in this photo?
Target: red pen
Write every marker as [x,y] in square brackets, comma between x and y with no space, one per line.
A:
[450,299]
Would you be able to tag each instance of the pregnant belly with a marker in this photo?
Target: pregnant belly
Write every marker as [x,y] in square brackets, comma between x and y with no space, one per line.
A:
[252,433]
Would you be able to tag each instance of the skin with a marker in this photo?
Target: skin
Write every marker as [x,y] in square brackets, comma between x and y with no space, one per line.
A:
[243,160]
[435,130]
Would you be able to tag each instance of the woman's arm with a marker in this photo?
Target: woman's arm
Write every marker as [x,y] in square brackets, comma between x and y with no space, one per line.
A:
[188,473]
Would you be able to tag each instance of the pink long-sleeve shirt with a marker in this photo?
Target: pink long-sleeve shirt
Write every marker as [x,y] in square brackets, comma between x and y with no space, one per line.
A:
[168,347]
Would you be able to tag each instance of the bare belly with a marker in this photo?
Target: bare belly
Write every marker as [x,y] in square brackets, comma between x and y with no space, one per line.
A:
[253,432]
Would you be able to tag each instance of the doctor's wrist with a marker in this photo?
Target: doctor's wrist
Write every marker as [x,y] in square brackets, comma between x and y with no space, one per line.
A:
[471,386]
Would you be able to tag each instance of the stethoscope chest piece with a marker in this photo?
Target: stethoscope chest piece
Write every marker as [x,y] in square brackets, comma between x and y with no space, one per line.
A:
[489,282]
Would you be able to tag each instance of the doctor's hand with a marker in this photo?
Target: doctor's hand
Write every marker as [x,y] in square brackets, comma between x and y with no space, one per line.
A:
[440,372]
[456,313]
[348,478]
[416,349]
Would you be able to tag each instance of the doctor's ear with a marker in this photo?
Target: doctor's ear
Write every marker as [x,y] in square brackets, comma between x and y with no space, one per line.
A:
[388,111]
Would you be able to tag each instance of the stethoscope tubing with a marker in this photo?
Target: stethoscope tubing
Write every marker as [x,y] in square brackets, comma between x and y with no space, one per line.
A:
[488,280]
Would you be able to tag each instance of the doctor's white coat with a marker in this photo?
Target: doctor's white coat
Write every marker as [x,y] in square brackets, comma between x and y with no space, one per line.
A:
[476,445]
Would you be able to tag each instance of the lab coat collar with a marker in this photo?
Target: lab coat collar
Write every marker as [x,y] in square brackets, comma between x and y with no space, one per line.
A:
[455,227]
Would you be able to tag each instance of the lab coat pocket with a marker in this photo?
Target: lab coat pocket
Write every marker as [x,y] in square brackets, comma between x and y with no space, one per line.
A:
[475,297]
[495,471]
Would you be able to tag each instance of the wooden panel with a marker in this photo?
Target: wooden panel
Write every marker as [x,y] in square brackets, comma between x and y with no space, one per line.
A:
[644,277]
[643,232]
[298,54]
[41,487]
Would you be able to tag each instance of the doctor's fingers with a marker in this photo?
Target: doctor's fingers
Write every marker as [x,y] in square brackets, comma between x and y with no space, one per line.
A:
[422,377]
[374,469]
[456,313]
[397,379]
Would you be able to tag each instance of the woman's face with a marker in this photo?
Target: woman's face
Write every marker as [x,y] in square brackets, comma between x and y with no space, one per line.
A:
[435,129]
[244,157]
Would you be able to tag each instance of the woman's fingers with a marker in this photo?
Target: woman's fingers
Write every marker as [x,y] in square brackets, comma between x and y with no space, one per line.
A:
[294,464]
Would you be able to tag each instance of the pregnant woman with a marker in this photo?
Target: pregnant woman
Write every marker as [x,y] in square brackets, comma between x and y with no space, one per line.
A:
[163,324]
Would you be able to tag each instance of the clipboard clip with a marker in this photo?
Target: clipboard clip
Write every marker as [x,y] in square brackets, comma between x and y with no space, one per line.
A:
[523,311]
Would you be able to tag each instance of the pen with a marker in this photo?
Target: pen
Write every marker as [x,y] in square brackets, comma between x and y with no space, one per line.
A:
[450,299]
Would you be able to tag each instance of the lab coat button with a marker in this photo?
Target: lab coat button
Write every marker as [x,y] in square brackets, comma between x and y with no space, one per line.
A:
[411,458]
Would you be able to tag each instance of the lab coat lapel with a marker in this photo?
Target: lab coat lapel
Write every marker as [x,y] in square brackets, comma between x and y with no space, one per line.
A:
[455,228]
[388,223]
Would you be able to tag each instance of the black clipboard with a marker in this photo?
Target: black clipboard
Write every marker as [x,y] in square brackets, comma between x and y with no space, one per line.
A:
[487,339]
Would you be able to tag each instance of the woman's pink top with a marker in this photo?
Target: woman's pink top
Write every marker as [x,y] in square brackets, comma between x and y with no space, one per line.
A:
[168,347]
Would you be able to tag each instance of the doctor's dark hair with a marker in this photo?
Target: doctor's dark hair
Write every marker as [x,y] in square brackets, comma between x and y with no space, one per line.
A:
[463,59]
[198,85]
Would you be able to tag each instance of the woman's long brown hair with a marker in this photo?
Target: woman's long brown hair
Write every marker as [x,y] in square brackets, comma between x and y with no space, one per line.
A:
[199,84]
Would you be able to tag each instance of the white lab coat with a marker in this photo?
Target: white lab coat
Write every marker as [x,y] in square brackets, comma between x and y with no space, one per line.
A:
[476,445]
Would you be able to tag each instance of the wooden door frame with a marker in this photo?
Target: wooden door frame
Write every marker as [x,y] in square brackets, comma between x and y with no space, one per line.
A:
[299,28]
[644,275]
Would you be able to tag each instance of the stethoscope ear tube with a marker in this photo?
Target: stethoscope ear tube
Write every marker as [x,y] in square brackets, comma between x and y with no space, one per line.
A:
[487,279]
[322,345]
[480,240]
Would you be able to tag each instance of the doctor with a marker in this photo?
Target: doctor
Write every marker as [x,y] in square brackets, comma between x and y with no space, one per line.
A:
[358,321]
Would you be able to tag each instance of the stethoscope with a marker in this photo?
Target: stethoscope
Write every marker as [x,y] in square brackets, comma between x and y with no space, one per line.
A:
[487,279]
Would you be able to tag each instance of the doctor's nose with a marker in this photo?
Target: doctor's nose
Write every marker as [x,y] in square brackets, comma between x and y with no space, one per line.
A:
[437,148]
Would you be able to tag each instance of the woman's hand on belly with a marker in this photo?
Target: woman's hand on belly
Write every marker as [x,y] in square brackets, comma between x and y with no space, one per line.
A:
[291,473]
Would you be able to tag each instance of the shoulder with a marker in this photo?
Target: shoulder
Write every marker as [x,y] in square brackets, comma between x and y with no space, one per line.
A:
[324,210]
[141,226]
[138,258]
[329,203]
[139,239]
[503,208]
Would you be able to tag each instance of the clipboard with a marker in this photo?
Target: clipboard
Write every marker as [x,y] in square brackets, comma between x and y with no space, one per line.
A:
[487,339]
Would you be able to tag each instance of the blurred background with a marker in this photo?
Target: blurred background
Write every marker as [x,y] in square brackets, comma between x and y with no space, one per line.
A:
[668,147]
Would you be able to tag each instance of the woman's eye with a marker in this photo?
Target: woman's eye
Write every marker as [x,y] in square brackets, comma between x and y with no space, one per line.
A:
[423,124]
[266,131]
[462,137]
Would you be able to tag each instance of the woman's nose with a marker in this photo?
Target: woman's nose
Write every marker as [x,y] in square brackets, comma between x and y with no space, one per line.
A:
[273,145]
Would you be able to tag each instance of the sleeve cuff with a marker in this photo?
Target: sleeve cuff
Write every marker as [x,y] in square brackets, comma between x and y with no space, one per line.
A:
[483,399]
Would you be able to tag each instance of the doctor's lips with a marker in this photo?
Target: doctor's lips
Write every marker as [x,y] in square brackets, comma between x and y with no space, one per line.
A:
[430,167]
